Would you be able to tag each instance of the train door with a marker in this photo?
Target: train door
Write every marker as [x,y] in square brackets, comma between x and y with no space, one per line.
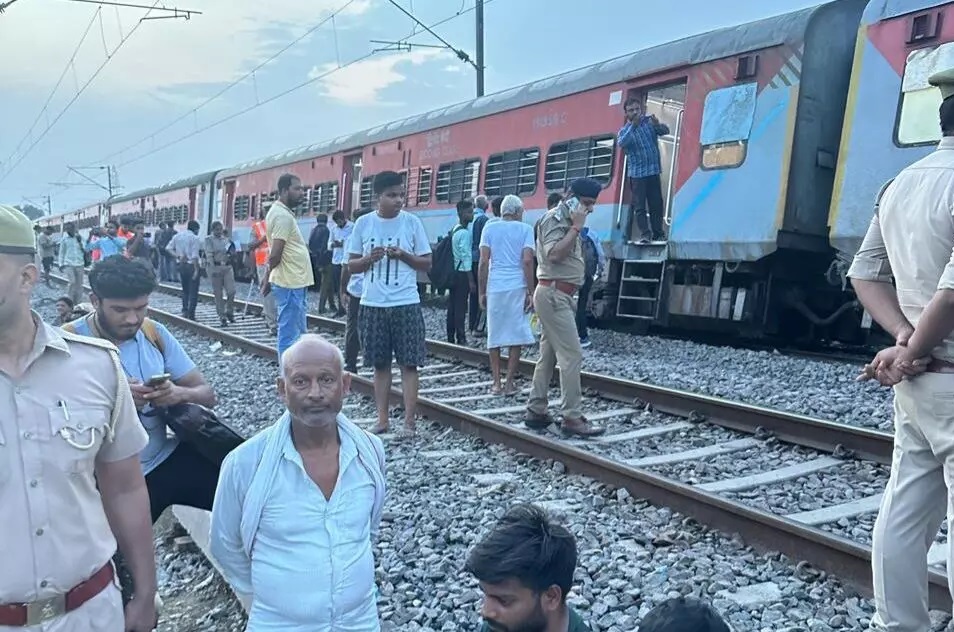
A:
[227,197]
[667,103]
[351,184]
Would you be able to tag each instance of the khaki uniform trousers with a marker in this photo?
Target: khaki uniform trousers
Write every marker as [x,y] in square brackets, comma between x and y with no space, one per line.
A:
[74,289]
[919,490]
[559,345]
[223,278]
[102,613]
[269,310]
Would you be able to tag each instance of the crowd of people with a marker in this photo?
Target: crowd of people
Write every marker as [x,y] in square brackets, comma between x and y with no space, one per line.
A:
[87,464]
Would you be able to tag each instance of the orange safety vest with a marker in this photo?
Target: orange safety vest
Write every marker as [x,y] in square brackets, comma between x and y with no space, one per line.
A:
[261,253]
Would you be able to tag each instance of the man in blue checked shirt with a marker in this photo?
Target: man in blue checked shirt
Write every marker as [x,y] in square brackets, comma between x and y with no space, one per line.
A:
[639,138]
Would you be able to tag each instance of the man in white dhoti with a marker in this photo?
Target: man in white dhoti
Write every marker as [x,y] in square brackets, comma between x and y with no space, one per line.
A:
[297,506]
[505,279]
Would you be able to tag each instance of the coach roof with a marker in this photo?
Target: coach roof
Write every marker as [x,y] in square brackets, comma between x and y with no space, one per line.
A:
[203,178]
[718,44]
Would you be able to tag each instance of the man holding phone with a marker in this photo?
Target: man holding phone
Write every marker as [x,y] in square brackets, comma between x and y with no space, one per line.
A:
[160,374]
[560,271]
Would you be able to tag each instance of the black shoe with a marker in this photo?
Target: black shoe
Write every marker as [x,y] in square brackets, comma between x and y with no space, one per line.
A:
[536,421]
[231,318]
[225,322]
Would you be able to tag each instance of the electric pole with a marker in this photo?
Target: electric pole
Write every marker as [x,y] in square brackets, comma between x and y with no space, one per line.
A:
[109,177]
[479,13]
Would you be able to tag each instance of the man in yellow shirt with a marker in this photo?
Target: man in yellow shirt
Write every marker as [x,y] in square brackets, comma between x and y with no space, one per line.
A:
[289,266]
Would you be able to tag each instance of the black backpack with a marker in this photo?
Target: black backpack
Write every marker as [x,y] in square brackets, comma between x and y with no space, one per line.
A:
[442,262]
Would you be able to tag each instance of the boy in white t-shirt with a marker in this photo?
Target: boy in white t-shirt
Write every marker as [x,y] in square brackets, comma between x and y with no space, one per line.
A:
[390,247]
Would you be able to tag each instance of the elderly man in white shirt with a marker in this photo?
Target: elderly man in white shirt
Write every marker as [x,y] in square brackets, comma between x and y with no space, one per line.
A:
[297,506]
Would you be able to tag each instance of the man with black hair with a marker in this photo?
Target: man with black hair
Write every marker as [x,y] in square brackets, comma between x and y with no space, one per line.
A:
[218,253]
[341,229]
[391,247]
[175,473]
[109,243]
[481,205]
[463,281]
[72,262]
[289,265]
[185,247]
[525,568]
[683,614]
[903,274]
[352,287]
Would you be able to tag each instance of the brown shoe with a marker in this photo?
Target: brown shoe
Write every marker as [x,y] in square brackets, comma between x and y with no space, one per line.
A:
[536,421]
[581,428]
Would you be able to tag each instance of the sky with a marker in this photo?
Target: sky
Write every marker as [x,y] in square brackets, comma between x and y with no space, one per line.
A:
[88,86]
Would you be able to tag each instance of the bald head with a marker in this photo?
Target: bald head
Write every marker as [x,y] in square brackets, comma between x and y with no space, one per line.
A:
[312,348]
[313,383]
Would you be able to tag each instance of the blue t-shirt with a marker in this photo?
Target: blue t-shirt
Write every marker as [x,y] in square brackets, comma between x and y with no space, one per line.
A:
[141,360]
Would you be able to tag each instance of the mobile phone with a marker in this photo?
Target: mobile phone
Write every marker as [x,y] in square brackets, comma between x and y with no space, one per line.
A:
[156,380]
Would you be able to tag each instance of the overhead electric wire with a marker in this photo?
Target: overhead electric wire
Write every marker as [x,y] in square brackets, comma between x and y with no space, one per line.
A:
[260,103]
[76,97]
[59,82]
[226,88]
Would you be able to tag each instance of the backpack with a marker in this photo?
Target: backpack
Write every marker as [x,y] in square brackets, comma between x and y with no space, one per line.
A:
[442,261]
[148,328]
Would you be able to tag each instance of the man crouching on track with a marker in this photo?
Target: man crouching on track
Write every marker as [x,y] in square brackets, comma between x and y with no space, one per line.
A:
[910,241]
[391,247]
[560,271]
[160,374]
[299,504]
[67,426]
[525,568]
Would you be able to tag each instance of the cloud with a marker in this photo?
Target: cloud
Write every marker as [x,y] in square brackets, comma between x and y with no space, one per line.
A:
[227,40]
[454,68]
[362,83]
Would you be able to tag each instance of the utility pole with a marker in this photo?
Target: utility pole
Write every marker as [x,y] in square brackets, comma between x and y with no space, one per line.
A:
[109,177]
[479,13]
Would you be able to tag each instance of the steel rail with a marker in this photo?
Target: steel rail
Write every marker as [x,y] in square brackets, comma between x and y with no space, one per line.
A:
[765,532]
[811,432]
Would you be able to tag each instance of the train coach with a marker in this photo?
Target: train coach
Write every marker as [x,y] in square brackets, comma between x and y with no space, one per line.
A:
[84,219]
[755,114]
[768,176]
[891,118]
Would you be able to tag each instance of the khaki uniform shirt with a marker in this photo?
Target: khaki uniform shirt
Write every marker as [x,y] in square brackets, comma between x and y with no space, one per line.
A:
[911,237]
[217,250]
[294,271]
[55,534]
[549,232]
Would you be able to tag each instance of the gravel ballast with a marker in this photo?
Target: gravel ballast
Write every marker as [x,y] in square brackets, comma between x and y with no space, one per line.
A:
[632,555]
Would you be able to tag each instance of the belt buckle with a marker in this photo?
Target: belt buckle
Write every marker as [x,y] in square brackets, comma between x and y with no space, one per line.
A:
[44,610]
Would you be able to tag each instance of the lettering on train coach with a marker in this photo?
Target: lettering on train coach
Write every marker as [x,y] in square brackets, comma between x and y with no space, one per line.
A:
[553,119]
[438,145]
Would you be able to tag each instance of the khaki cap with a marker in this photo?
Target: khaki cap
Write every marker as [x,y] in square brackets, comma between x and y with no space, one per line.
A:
[943,81]
[16,232]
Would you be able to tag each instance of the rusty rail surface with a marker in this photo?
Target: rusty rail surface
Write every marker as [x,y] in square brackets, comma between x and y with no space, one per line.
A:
[766,532]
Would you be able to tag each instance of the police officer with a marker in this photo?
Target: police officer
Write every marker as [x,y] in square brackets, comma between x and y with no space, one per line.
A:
[218,257]
[69,468]
[560,270]
[910,241]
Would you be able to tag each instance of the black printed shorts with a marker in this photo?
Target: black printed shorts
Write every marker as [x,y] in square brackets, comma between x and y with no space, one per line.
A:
[396,332]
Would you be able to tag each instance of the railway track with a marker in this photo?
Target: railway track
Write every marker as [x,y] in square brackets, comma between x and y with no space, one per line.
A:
[659,445]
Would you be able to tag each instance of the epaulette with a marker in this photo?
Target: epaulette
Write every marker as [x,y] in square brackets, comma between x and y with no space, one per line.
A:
[72,336]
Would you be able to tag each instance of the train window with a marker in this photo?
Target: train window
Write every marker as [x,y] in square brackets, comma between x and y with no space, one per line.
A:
[327,197]
[367,191]
[512,172]
[241,208]
[917,122]
[727,119]
[581,158]
[425,174]
[457,180]
[314,198]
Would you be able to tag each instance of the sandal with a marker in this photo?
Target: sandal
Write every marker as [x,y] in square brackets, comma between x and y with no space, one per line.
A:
[379,429]
[496,391]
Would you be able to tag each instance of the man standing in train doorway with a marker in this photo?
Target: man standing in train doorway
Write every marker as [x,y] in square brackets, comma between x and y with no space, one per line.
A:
[639,138]
[910,241]
[289,266]
[560,270]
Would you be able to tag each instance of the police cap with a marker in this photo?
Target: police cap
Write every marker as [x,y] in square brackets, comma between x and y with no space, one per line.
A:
[944,81]
[16,232]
